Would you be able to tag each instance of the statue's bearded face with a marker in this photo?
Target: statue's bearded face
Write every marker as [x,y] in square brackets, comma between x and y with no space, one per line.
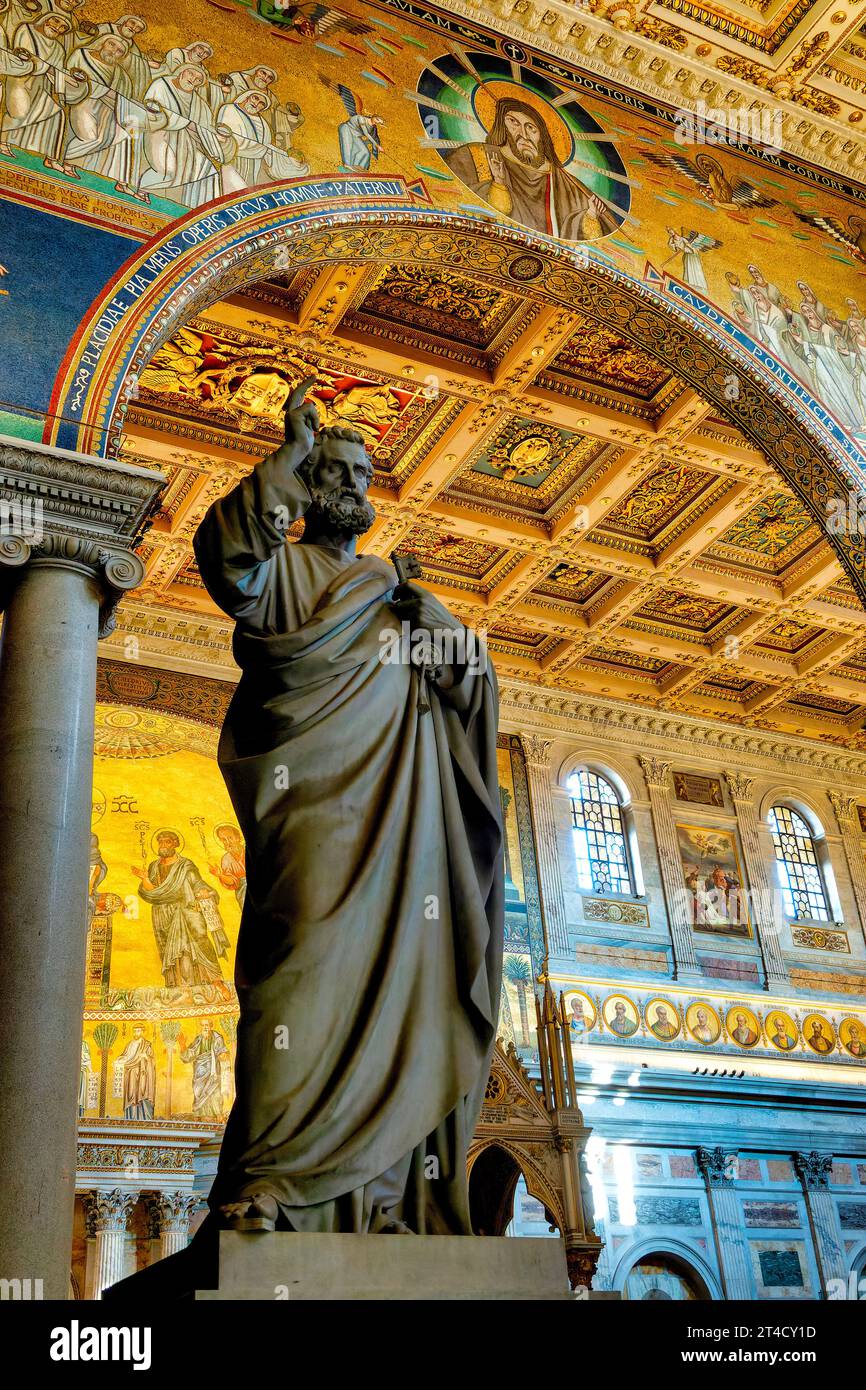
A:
[338,478]
[524,137]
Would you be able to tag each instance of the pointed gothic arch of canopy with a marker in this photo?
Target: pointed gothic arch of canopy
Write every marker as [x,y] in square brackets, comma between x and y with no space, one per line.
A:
[236,241]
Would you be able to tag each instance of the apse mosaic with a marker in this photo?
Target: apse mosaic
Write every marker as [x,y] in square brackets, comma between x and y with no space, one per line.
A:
[680,1021]
[167,883]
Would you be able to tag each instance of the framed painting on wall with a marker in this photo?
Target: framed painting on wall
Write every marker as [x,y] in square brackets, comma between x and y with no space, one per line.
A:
[714,880]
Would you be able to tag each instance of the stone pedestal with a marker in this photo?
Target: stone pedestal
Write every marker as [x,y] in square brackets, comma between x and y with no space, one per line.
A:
[426,1268]
[61,572]
[845,808]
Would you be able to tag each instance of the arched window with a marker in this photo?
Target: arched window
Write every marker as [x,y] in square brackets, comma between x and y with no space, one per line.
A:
[797,866]
[599,838]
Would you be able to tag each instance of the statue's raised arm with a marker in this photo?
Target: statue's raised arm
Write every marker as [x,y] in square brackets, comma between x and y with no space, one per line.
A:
[243,531]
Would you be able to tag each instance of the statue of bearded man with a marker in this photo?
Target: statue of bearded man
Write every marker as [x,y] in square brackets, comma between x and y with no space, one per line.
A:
[369,957]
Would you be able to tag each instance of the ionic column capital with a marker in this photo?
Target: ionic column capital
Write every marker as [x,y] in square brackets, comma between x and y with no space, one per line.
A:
[73,512]
[115,571]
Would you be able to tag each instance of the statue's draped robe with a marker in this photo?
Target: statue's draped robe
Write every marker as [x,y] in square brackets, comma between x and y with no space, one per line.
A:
[369,956]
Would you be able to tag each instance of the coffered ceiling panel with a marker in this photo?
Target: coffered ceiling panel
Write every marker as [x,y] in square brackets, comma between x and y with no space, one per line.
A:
[529,467]
[769,536]
[461,318]
[660,507]
[596,364]
[563,493]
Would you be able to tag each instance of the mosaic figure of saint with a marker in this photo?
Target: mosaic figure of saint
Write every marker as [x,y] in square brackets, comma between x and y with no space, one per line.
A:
[519,172]
[188,947]
[37,103]
[208,1054]
[182,148]
[232,869]
[139,1076]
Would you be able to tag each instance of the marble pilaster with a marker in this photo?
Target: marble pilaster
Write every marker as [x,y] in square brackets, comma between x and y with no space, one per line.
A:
[536,752]
[845,811]
[814,1170]
[718,1170]
[766,918]
[655,771]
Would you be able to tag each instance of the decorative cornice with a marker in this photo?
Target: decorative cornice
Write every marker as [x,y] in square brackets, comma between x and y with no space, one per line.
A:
[583,39]
[79,495]
[76,512]
[527,708]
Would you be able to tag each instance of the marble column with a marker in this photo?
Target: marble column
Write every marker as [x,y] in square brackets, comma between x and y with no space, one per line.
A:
[814,1170]
[536,752]
[59,580]
[766,920]
[718,1169]
[655,772]
[845,811]
[106,1214]
[169,1215]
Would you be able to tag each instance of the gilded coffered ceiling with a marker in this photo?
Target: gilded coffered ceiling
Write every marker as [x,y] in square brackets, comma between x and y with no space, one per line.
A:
[564,493]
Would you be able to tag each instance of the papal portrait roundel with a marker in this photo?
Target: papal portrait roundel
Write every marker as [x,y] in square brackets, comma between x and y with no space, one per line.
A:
[521,145]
